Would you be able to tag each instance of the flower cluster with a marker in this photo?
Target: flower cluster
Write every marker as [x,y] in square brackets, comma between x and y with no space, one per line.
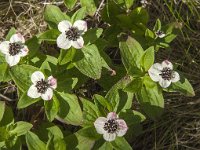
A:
[81,66]
[71,35]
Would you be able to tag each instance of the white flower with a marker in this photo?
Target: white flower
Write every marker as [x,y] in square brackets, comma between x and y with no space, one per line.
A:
[111,126]
[163,73]
[14,49]
[144,3]
[42,87]
[71,34]
[160,34]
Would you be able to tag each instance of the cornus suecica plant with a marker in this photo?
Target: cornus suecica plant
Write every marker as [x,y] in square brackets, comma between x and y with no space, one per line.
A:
[111,127]
[71,35]
[14,49]
[163,73]
[68,67]
[42,87]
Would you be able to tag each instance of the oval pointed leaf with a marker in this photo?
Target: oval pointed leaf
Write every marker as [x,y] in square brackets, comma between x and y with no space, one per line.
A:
[90,64]
[52,108]
[33,142]
[131,53]
[70,111]
[70,3]
[151,100]
[53,15]
[147,59]
[90,6]
[26,101]
[21,128]
[183,86]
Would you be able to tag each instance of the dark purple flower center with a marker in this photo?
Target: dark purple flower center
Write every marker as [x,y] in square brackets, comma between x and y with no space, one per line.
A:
[42,86]
[15,48]
[73,34]
[166,73]
[111,126]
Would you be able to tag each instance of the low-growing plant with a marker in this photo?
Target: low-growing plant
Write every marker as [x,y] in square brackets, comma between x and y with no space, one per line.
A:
[130,90]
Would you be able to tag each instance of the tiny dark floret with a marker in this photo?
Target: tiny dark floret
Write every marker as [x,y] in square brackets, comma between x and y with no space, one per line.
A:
[159,33]
[111,126]
[73,34]
[166,73]
[42,86]
[15,48]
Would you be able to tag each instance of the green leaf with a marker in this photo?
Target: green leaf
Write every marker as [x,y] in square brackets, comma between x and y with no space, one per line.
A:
[55,143]
[183,86]
[148,82]
[125,3]
[10,33]
[100,101]
[134,86]
[90,6]
[21,74]
[110,11]
[33,46]
[101,144]
[89,132]
[119,99]
[56,131]
[51,108]
[66,56]
[125,21]
[76,141]
[33,142]
[157,25]
[149,35]
[50,35]
[53,15]
[147,59]
[120,143]
[90,112]
[70,111]
[80,14]
[151,100]
[132,117]
[70,3]
[139,15]
[66,81]
[89,65]
[129,3]
[13,143]
[4,134]
[4,73]
[26,101]
[7,117]
[131,53]
[169,38]
[21,128]
[92,35]
[2,109]
[49,65]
